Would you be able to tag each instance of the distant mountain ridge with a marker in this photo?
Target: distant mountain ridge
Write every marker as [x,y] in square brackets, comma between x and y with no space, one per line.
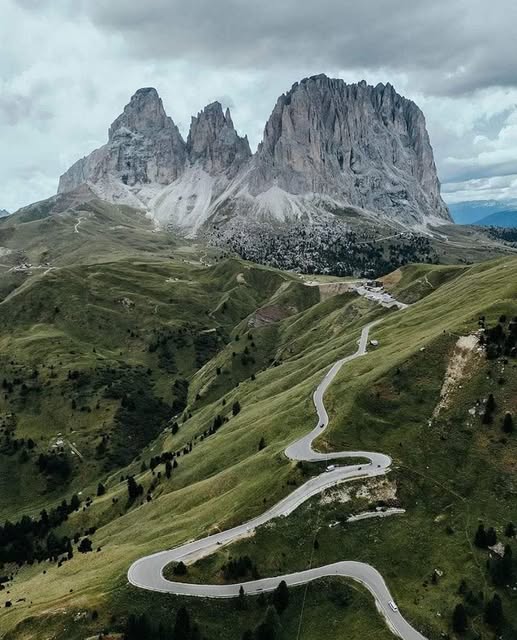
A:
[475,211]
[499,219]
[3,213]
[327,147]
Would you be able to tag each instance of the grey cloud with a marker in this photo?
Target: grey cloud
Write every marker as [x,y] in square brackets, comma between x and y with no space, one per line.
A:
[502,189]
[15,108]
[472,171]
[60,93]
[449,46]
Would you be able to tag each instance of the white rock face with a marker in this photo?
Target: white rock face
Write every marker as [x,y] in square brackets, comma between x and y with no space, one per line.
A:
[147,164]
[327,147]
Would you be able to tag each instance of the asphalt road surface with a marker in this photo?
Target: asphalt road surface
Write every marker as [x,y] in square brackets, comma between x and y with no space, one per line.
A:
[147,572]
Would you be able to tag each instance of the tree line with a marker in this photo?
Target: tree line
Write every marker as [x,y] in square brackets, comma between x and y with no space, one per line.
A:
[34,539]
[501,339]
[501,571]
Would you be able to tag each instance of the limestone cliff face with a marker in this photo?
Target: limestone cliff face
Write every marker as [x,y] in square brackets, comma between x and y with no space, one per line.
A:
[145,152]
[327,146]
[214,144]
[144,147]
[364,145]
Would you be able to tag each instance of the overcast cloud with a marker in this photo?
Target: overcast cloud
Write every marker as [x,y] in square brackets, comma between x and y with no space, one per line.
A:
[67,67]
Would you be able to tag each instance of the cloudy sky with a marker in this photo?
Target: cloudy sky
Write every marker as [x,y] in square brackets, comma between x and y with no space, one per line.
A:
[67,67]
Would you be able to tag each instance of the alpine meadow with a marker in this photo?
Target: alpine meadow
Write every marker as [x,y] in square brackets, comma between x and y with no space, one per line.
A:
[262,386]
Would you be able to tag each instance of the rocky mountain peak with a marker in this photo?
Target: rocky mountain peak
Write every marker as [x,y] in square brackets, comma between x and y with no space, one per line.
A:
[144,147]
[327,147]
[214,143]
[144,113]
[228,118]
[364,145]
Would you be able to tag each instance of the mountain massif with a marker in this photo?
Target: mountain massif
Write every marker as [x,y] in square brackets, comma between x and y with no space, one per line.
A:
[156,391]
[328,148]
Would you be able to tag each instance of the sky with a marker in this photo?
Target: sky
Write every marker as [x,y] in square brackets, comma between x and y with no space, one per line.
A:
[68,67]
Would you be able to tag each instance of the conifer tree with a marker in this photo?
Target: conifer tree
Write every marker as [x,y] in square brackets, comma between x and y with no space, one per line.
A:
[459,619]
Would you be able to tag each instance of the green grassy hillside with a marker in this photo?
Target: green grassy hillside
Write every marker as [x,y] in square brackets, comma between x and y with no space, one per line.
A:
[452,471]
[128,359]
[78,340]
[77,227]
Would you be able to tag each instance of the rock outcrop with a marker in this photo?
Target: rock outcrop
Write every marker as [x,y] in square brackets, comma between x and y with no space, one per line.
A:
[144,147]
[146,153]
[214,144]
[362,145]
[328,148]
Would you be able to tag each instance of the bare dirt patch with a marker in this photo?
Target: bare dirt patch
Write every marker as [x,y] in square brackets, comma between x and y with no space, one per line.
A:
[329,289]
[465,356]
[391,279]
[374,490]
[270,314]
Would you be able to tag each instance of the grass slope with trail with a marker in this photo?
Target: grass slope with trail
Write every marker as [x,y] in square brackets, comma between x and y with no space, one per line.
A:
[252,343]
[94,355]
[453,470]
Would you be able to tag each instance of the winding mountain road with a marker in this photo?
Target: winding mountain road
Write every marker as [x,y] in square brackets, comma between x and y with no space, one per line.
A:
[78,224]
[147,572]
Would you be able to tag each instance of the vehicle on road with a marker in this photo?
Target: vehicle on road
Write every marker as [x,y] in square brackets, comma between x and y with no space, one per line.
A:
[331,467]
[393,606]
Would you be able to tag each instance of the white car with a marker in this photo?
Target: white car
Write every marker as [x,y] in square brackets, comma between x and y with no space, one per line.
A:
[331,467]
[393,606]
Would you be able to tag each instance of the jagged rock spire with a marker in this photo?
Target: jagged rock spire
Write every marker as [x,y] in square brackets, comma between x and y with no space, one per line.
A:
[352,144]
[214,143]
[144,146]
[144,113]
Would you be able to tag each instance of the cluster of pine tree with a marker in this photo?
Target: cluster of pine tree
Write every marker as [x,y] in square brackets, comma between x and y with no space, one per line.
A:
[30,540]
[493,614]
[270,626]
[241,567]
[501,339]
[501,571]
[507,234]
[327,248]
[142,628]
[488,415]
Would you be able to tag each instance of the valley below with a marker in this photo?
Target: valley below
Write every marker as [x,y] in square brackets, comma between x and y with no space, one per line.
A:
[151,399]
[258,396]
